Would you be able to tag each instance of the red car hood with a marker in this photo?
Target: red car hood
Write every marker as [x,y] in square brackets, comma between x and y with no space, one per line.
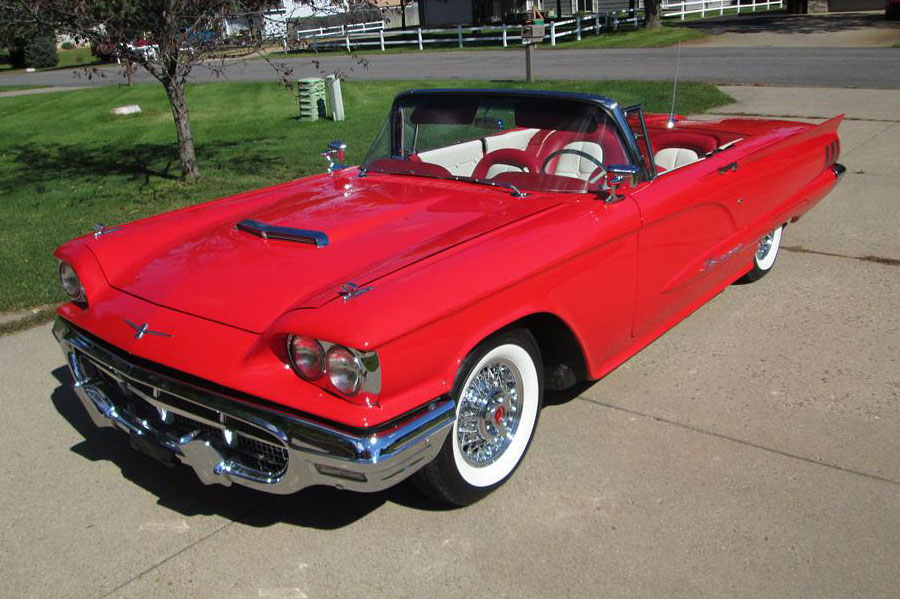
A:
[196,261]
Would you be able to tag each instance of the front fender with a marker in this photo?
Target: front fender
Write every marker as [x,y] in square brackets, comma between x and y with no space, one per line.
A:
[425,319]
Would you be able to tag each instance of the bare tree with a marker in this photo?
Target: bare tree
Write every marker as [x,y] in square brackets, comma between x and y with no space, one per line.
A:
[174,36]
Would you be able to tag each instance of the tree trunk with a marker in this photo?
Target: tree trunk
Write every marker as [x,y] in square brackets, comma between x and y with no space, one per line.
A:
[403,14]
[652,18]
[189,168]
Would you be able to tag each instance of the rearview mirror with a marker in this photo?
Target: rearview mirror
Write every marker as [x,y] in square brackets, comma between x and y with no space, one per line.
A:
[620,176]
[492,124]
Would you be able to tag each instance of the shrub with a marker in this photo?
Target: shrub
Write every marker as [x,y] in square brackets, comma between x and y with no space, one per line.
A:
[68,45]
[40,51]
[17,53]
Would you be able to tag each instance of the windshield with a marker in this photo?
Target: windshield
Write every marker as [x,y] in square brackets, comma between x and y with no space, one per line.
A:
[533,143]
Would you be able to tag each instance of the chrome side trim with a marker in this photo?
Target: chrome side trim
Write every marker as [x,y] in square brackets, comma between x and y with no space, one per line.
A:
[267,231]
[839,170]
[318,453]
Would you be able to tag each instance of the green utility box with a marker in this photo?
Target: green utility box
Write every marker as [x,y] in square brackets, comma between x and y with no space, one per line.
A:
[311,94]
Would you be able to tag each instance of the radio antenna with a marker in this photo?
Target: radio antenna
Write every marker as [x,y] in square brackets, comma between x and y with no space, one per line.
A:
[671,122]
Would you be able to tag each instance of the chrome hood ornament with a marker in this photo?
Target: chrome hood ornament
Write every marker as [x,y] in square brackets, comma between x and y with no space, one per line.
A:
[350,290]
[144,329]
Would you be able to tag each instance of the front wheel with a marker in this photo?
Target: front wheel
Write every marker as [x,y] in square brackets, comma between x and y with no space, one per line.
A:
[498,393]
[764,258]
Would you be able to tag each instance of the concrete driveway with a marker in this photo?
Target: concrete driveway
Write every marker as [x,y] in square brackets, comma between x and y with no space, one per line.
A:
[832,30]
[753,451]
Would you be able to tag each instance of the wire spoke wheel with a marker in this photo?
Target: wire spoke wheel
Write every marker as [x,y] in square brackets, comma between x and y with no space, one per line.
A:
[764,257]
[490,410]
[498,394]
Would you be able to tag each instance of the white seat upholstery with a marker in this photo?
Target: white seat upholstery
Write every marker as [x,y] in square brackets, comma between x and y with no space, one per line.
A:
[498,168]
[672,158]
[459,159]
[516,140]
[578,167]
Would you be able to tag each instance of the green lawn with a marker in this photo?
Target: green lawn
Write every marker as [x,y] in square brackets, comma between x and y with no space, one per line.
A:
[76,57]
[633,38]
[13,88]
[67,163]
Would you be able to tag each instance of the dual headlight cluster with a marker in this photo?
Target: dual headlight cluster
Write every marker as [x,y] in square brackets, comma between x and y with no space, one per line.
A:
[348,371]
[71,284]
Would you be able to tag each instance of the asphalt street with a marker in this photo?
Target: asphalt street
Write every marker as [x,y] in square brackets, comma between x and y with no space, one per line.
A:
[817,67]
[752,451]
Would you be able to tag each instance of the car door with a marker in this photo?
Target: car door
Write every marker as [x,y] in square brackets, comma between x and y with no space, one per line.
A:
[689,245]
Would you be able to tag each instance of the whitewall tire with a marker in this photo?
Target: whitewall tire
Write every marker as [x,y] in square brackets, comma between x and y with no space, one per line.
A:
[765,256]
[498,393]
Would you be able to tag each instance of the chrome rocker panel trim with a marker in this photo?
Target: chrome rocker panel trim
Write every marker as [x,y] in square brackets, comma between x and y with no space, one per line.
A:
[318,453]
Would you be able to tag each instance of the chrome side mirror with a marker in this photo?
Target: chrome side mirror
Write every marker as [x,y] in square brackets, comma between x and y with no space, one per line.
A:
[620,176]
[335,156]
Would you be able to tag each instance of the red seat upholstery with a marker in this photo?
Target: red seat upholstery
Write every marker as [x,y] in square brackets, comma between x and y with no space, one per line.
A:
[508,156]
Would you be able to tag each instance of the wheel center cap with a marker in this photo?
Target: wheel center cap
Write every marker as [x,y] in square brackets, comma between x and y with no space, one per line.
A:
[499,413]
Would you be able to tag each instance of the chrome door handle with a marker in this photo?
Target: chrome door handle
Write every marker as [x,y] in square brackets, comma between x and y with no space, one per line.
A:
[729,167]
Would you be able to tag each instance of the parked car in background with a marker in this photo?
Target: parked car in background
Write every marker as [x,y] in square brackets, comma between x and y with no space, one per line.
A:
[404,317]
[202,40]
[143,46]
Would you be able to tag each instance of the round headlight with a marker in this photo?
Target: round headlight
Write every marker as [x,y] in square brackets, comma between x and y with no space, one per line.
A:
[307,357]
[345,371]
[70,282]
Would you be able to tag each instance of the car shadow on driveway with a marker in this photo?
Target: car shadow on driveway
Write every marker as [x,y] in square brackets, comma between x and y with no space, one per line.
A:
[178,489]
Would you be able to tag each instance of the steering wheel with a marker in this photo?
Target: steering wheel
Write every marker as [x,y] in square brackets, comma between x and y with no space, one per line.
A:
[598,172]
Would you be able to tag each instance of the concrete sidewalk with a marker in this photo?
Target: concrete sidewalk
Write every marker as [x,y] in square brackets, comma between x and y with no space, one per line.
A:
[752,452]
[38,90]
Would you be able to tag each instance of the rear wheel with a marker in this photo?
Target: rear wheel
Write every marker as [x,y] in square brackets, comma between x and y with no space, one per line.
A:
[764,258]
[498,393]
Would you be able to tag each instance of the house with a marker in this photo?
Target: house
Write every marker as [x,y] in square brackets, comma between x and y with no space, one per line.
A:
[435,13]
[270,23]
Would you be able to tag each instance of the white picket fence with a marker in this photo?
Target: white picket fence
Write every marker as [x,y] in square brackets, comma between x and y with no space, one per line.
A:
[374,35]
[341,30]
[710,8]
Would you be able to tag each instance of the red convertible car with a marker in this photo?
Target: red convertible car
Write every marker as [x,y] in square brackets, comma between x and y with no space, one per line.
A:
[404,317]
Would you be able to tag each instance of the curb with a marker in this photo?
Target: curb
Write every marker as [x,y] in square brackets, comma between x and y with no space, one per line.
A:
[13,322]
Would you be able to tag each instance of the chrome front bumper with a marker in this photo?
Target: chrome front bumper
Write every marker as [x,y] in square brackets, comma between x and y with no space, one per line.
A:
[229,439]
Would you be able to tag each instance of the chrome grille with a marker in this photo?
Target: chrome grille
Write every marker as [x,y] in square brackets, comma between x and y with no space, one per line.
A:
[248,444]
[266,454]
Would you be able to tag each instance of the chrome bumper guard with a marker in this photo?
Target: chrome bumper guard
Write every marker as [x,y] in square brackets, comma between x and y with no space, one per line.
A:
[228,440]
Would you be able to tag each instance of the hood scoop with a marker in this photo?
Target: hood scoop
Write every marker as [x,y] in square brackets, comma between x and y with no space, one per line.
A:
[267,231]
